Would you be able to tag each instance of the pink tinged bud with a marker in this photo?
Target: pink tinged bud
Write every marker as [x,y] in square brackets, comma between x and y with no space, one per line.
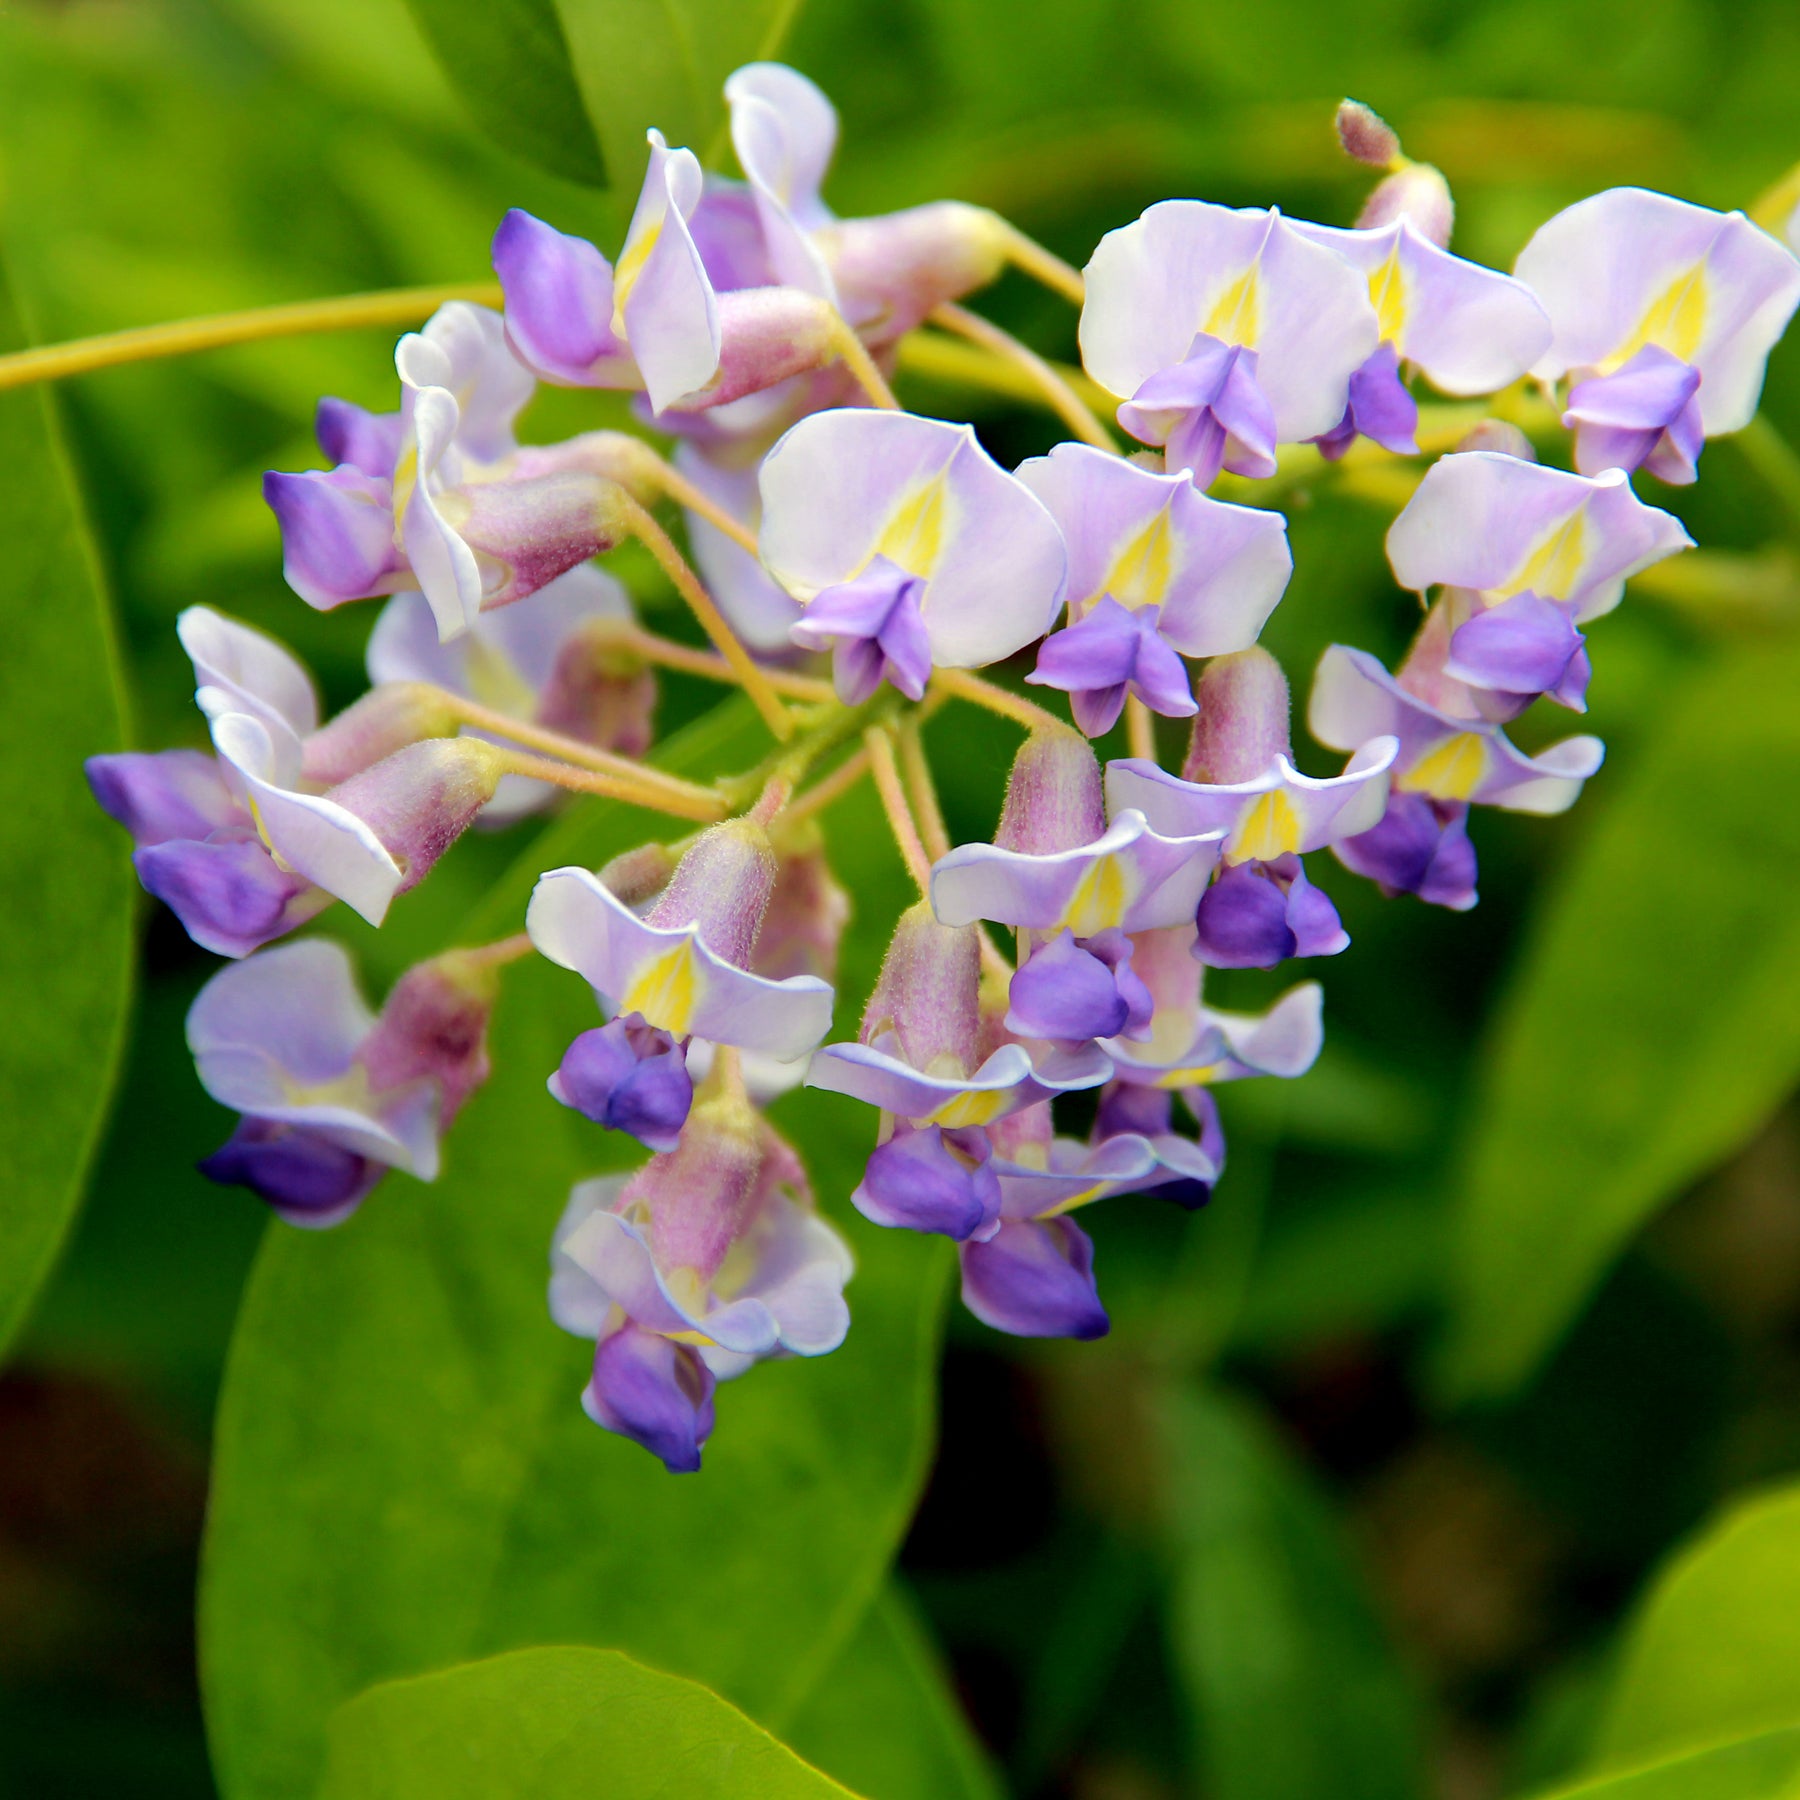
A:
[604,696]
[1498,438]
[808,911]
[1242,725]
[433,1028]
[927,999]
[1054,797]
[386,719]
[722,886]
[420,800]
[1417,192]
[766,335]
[699,1196]
[635,876]
[1365,135]
[892,270]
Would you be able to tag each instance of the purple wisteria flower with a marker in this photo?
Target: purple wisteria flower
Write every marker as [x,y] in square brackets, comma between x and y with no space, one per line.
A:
[332,1097]
[909,546]
[447,503]
[1155,568]
[1467,329]
[1227,332]
[679,973]
[1445,764]
[1524,555]
[1664,315]
[707,1260]
[537,661]
[662,320]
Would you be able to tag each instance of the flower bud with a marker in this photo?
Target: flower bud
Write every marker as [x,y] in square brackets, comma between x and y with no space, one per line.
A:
[387,718]
[1497,435]
[306,1178]
[722,885]
[420,800]
[600,693]
[630,1077]
[1242,725]
[934,1180]
[1054,797]
[700,1196]
[1415,191]
[892,270]
[654,1391]
[525,533]
[433,1027]
[1365,135]
[928,994]
[635,876]
[808,911]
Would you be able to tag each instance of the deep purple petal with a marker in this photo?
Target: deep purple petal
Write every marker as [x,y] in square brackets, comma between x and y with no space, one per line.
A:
[1208,412]
[1646,413]
[1313,919]
[879,608]
[628,1079]
[307,1179]
[1380,408]
[1419,846]
[1098,651]
[337,533]
[1097,710]
[905,646]
[1243,921]
[559,299]
[226,890]
[1523,646]
[931,1180]
[657,1393]
[1035,1278]
[1134,1109]
[1115,949]
[164,796]
[352,434]
[1064,991]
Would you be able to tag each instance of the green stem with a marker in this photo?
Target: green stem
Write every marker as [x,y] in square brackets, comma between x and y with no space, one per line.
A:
[1775,460]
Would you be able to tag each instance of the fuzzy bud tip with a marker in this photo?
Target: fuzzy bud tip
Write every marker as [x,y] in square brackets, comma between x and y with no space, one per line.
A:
[1242,725]
[1054,797]
[1366,135]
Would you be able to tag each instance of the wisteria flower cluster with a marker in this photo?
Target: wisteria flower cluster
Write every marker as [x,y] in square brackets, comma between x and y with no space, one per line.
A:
[854,565]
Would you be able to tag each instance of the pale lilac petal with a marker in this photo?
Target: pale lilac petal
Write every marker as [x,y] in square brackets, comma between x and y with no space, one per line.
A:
[1006,1083]
[164,796]
[1711,288]
[578,1304]
[1155,283]
[443,566]
[671,977]
[240,669]
[846,485]
[325,842]
[463,348]
[662,289]
[802,1265]
[755,605]
[1493,523]
[1131,877]
[784,131]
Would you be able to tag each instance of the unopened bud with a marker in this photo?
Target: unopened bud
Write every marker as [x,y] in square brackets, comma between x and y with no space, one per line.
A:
[600,692]
[525,533]
[421,799]
[806,918]
[385,719]
[1416,192]
[635,876]
[928,994]
[1054,796]
[1242,725]
[701,1196]
[1366,135]
[433,1027]
[1498,436]
[723,886]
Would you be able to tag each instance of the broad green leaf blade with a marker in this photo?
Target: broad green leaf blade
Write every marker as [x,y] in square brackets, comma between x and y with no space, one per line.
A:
[403,1475]
[663,63]
[883,1719]
[509,63]
[65,868]
[1715,1650]
[1755,1768]
[1295,1691]
[566,1723]
[1653,1024]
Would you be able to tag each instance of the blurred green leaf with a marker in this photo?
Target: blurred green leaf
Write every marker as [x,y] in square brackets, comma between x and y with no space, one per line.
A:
[1715,1649]
[1295,1690]
[1654,1022]
[404,1477]
[663,63]
[557,1724]
[509,61]
[65,868]
[1756,1768]
[883,1719]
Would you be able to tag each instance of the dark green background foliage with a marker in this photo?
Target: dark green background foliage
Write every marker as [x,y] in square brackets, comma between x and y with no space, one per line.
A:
[1421,1464]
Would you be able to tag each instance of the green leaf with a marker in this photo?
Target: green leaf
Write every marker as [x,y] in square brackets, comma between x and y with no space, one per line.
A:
[883,1719]
[404,1477]
[641,63]
[65,868]
[1755,1768]
[1653,1025]
[509,63]
[1715,1650]
[557,1724]
[1295,1691]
